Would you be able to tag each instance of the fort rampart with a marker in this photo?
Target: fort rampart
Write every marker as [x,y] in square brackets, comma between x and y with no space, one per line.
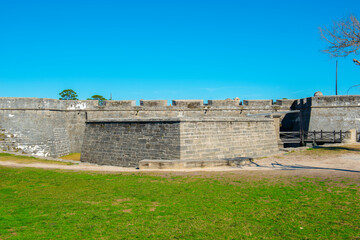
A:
[125,142]
[49,127]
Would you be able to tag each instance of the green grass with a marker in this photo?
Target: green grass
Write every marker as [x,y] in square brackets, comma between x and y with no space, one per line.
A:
[328,150]
[48,204]
[27,160]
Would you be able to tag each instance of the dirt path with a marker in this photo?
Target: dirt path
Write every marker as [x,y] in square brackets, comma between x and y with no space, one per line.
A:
[343,162]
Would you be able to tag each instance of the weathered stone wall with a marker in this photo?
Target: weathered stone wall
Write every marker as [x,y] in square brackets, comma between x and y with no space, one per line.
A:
[50,127]
[125,142]
[329,113]
[225,138]
[41,133]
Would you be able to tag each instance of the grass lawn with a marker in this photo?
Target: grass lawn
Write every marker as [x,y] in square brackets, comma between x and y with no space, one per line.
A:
[49,204]
[331,150]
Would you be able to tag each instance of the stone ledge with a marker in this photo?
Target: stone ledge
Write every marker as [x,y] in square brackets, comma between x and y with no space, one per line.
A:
[186,164]
[184,119]
[188,103]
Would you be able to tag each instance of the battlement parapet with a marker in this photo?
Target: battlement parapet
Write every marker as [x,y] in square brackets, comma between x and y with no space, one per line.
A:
[286,102]
[266,104]
[8,103]
[47,104]
[119,104]
[258,103]
[224,103]
[153,103]
[328,102]
[188,103]
[335,101]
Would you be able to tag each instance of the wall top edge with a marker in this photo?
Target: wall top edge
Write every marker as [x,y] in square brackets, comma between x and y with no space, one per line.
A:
[184,119]
[13,103]
[40,103]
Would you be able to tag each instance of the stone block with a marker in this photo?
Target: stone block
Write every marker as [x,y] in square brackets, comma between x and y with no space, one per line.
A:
[224,103]
[189,164]
[286,102]
[128,141]
[258,103]
[153,103]
[120,104]
[187,103]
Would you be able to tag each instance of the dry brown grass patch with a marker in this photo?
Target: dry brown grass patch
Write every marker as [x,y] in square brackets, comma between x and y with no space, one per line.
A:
[72,156]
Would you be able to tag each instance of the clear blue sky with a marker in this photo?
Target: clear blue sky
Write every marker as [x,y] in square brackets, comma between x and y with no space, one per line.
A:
[163,49]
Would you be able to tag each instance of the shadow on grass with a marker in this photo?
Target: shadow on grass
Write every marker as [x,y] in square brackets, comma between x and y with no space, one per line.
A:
[302,167]
[280,166]
[335,149]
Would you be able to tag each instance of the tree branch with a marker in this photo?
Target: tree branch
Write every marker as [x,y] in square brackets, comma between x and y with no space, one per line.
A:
[343,38]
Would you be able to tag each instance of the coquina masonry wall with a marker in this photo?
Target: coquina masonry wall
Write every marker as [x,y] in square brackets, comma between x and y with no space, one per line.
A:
[226,138]
[125,142]
[50,127]
[329,113]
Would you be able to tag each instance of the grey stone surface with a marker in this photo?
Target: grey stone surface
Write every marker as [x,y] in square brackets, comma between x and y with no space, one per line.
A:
[329,113]
[125,142]
[224,103]
[258,102]
[41,133]
[55,127]
[181,164]
[188,103]
[153,103]
[27,124]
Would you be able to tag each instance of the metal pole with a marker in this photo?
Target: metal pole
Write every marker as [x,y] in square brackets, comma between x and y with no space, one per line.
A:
[336,92]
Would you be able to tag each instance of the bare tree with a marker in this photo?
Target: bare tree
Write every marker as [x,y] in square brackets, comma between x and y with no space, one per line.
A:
[343,37]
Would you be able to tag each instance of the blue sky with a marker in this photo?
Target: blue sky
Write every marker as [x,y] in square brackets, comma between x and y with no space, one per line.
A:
[213,49]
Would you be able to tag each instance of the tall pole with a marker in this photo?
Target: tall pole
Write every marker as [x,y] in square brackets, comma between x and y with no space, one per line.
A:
[336,77]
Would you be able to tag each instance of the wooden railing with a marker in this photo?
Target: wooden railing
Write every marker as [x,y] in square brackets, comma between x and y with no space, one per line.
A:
[313,136]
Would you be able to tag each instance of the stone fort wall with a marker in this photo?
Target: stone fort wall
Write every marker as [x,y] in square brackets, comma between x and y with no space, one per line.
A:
[125,142]
[50,127]
[327,113]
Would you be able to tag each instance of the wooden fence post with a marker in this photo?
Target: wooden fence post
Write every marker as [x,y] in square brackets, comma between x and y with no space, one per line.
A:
[340,136]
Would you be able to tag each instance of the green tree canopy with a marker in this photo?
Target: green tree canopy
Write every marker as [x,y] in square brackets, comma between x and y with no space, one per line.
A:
[97,97]
[68,94]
